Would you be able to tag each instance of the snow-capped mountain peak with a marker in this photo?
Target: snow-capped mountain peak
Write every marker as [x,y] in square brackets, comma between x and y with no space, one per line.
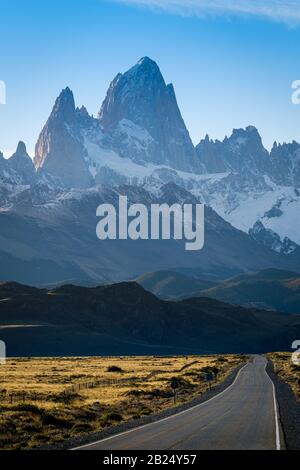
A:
[140,138]
[243,150]
[132,95]
[271,239]
[141,96]
[139,122]
[59,150]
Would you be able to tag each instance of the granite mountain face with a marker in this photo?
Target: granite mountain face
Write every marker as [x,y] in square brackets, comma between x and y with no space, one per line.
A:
[22,164]
[272,240]
[285,164]
[59,150]
[18,170]
[139,123]
[242,152]
[139,102]
[139,132]
[139,144]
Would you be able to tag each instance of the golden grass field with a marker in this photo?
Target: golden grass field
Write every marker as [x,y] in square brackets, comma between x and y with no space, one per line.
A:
[47,400]
[286,370]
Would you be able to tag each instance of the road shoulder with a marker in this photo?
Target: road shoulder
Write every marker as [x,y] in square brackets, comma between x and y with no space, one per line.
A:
[289,410]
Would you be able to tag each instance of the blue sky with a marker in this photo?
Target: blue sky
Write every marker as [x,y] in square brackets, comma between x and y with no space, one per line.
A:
[231,64]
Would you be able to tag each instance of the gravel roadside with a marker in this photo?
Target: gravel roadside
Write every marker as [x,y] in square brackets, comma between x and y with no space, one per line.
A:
[88,438]
[289,410]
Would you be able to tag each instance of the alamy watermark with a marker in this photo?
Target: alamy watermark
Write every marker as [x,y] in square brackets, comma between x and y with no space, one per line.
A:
[160,222]
[2,92]
[296,354]
[296,93]
[2,353]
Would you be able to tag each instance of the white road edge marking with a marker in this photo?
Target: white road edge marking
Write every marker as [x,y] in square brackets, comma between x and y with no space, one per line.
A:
[164,419]
[278,444]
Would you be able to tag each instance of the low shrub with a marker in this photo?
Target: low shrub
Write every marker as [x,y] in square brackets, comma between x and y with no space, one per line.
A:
[65,397]
[145,411]
[110,418]
[221,359]
[134,393]
[30,427]
[114,369]
[29,408]
[158,393]
[7,426]
[49,419]
[81,427]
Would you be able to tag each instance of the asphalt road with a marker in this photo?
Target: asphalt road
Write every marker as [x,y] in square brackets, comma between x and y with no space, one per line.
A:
[243,416]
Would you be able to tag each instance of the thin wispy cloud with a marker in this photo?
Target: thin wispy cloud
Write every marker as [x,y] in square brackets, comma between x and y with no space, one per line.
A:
[287,11]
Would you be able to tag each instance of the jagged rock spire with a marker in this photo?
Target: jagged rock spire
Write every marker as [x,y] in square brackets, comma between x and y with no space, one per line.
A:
[22,164]
[142,97]
[59,150]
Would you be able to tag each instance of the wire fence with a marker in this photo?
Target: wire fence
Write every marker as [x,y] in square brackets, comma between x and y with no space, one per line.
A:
[22,396]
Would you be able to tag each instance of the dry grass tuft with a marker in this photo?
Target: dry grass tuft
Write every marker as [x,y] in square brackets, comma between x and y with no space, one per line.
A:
[286,370]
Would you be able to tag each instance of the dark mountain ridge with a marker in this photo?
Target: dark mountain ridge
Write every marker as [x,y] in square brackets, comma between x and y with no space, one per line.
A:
[269,289]
[125,319]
